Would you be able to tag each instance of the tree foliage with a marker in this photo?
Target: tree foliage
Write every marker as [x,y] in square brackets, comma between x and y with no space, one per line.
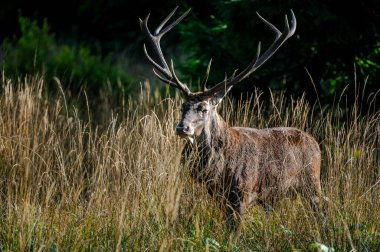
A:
[37,51]
[333,38]
[328,42]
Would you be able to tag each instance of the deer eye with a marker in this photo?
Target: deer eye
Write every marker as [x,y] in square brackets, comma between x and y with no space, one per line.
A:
[201,109]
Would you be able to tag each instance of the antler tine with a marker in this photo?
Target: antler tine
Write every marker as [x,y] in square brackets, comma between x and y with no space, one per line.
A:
[270,25]
[181,86]
[158,29]
[155,65]
[161,69]
[281,37]
[155,42]
[204,82]
[163,79]
[169,27]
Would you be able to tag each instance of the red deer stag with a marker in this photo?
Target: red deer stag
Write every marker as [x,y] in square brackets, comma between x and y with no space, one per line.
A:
[242,166]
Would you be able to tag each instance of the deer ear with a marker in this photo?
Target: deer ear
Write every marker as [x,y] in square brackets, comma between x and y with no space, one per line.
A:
[218,96]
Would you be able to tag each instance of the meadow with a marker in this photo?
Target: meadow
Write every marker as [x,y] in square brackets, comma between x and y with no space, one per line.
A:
[72,179]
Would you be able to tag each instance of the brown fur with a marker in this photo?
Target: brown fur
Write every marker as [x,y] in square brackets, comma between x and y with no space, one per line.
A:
[241,166]
[235,134]
[246,166]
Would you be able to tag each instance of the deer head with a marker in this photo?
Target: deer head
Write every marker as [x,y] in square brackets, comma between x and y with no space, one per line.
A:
[199,108]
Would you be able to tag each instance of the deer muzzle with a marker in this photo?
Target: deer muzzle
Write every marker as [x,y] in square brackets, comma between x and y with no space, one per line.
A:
[183,131]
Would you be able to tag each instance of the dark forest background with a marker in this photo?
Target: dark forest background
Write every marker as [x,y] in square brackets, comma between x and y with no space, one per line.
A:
[97,45]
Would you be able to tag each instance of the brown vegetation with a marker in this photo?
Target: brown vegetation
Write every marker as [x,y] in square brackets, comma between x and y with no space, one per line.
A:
[67,184]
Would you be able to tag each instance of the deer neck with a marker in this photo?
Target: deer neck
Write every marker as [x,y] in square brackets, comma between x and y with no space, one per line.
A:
[214,132]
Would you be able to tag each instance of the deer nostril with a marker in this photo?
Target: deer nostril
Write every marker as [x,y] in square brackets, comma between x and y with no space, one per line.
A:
[182,129]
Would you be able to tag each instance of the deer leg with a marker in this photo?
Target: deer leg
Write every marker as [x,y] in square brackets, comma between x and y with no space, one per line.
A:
[234,211]
[315,195]
[234,219]
[238,211]
[319,202]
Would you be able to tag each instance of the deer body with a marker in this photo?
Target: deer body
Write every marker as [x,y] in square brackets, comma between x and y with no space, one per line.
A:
[245,166]
[241,166]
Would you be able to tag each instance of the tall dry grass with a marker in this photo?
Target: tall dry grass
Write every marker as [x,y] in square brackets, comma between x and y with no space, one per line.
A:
[68,184]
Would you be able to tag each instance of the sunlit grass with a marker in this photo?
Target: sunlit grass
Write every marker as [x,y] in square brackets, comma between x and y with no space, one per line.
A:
[68,183]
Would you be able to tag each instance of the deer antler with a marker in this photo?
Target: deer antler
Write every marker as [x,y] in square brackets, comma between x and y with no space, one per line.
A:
[161,69]
[281,37]
[167,74]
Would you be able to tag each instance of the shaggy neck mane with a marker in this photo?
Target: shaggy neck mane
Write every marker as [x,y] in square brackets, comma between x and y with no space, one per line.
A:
[214,132]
